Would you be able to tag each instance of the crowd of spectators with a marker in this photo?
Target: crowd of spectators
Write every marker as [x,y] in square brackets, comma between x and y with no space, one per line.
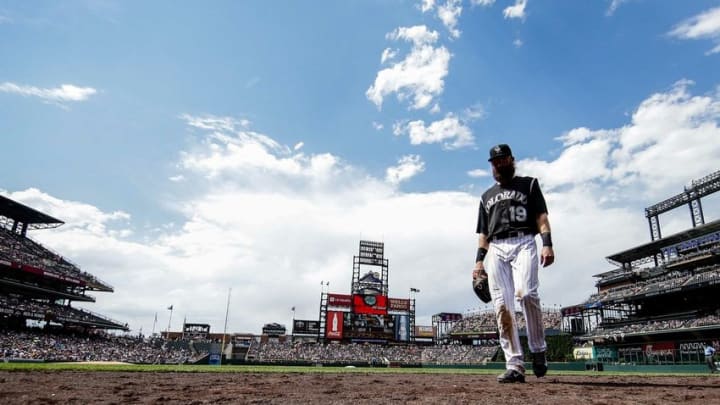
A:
[317,353]
[39,345]
[486,321]
[619,332]
[20,249]
[332,353]
[665,282]
[42,310]
[458,354]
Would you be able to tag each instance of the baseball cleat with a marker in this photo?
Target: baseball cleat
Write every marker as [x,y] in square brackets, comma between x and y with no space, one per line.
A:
[539,364]
[511,376]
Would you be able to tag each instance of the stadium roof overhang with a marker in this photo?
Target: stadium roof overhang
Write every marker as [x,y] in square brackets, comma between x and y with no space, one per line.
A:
[16,286]
[22,213]
[655,247]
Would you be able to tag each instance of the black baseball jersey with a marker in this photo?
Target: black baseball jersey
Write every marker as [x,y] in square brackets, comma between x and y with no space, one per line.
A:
[513,207]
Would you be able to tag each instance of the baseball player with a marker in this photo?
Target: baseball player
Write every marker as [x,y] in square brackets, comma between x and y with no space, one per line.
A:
[511,213]
[710,357]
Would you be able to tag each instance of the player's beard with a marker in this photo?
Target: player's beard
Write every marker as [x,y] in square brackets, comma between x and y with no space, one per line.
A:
[504,174]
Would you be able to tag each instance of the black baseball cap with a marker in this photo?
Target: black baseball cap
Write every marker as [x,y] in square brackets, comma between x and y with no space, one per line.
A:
[499,151]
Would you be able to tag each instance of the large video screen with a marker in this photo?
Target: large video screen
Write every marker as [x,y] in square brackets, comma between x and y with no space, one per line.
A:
[370,304]
[394,328]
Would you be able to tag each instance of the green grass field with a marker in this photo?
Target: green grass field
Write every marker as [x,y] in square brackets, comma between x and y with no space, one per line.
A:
[94,367]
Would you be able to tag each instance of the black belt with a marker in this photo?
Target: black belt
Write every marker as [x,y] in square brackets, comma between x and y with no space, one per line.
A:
[509,234]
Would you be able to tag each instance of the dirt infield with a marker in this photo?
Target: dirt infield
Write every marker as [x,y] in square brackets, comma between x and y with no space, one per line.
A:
[19,387]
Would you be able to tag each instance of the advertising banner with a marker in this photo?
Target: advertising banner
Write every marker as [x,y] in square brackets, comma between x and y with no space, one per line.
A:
[424,331]
[659,349]
[215,354]
[306,327]
[339,300]
[692,348]
[630,353]
[606,354]
[402,328]
[273,329]
[583,353]
[334,325]
[214,359]
[398,305]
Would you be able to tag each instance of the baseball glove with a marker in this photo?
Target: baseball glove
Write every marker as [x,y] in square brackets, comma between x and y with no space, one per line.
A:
[481,287]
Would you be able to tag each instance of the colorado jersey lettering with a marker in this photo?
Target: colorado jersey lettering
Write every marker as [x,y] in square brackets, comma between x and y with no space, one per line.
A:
[512,207]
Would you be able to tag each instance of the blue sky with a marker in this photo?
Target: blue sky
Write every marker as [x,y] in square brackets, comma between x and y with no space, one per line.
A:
[194,147]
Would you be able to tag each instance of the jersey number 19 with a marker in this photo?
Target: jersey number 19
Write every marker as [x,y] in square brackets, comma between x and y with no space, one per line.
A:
[518,213]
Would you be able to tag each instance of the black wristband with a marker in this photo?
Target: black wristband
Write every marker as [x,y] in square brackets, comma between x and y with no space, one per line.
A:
[480,255]
[546,239]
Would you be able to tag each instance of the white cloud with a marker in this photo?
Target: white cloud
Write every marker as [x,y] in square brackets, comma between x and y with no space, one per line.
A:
[408,166]
[377,126]
[420,76]
[666,128]
[705,25]
[232,233]
[230,150]
[474,112]
[518,43]
[427,5]
[58,95]
[76,215]
[614,4]
[451,131]
[483,3]
[419,35]
[449,13]
[479,173]
[714,50]
[214,123]
[272,230]
[388,54]
[298,146]
[516,11]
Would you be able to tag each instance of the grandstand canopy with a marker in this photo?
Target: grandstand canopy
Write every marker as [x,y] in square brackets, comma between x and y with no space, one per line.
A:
[655,247]
[22,213]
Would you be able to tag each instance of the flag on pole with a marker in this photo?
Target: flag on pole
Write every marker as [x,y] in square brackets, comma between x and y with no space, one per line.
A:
[155,316]
[292,309]
[170,308]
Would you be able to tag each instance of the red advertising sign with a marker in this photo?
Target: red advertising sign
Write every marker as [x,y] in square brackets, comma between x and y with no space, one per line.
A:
[334,325]
[659,348]
[370,304]
[339,300]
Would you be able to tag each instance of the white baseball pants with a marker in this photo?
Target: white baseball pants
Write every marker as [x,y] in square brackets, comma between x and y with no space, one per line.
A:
[512,267]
